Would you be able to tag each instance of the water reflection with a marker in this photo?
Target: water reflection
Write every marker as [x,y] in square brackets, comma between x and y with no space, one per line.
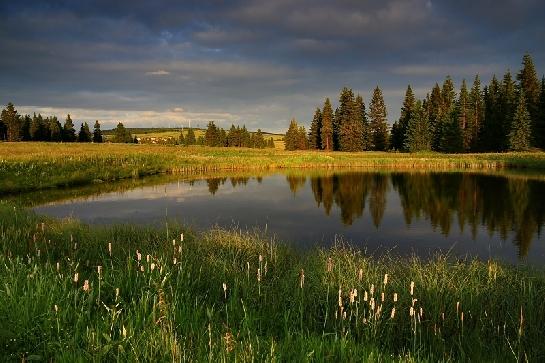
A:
[408,211]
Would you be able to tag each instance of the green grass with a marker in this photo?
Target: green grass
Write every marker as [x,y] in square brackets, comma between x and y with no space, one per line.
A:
[35,166]
[173,307]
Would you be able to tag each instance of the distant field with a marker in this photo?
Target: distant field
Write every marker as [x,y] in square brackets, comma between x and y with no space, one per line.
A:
[34,166]
[175,133]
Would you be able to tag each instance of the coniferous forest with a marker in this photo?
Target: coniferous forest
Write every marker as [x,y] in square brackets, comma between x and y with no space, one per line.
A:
[508,114]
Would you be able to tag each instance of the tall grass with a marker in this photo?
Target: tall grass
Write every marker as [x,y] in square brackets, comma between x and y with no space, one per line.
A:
[70,292]
[35,166]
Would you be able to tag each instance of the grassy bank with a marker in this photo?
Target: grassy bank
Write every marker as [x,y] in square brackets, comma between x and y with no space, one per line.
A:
[69,292]
[34,166]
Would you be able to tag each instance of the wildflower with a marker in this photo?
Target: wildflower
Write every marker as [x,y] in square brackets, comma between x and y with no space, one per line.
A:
[116,293]
[76,277]
[174,242]
[340,297]
[124,332]
[148,258]
[56,308]
[385,279]
[352,296]
[138,255]
[142,268]
[372,303]
[329,264]
[99,270]
[258,275]
[225,290]
[302,278]
[412,287]
[110,248]
[393,313]
[360,274]
[58,266]
[86,285]
[395,296]
[174,261]
[365,296]
[372,290]
[181,237]
[152,266]
[411,311]
[382,297]
[260,258]
[457,306]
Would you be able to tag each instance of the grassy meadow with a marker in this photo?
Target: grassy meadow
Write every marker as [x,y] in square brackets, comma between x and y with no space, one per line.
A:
[74,292]
[69,292]
[35,166]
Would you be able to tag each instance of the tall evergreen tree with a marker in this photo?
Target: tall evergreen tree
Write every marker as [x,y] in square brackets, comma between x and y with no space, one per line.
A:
[84,134]
[37,129]
[539,126]
[476,112]
[190,138]
[97,133]
[451,136]
[352,125]
[314,137]
[259,141]
[377,121]
[55,129]
[399,132]
[12,122]
[529,83]
[212,135]
[521,129]
[302,141]
[326,136]
[122,135]
[244,137]
[26,120]
[291,138]
[462,111]
[418,136]
[3,130]
[344,128]
[68,132]
[492,131]
[361,115]
[507,105]
[435,114]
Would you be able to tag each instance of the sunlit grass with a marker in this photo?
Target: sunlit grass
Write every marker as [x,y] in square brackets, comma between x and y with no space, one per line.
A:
[34,166]
[69,291]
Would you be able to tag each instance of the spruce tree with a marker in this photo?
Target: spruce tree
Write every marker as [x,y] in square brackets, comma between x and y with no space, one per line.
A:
[492,131]
[259,141]
[451,135]
[539,128]
[521,129]
[529,83]
[97,133]
[361,115]
[314,136]
[190,138]
[68,132]
[25,128]
[55,129]
[12,122]
[399,132]
[270,143]
[507,104]
[291,139]
[435,114]
[377,120]
[302,141]
[84,134]
[211,135]
[36,133]
[181,138]
[349,125]
[475,113]
[326,135]
[122,135]
[418,136]
[462,111]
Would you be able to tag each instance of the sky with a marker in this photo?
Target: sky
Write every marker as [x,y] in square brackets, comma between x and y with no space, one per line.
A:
[260,63]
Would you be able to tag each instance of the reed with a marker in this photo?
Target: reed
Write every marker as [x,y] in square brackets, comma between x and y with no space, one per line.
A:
[70,292]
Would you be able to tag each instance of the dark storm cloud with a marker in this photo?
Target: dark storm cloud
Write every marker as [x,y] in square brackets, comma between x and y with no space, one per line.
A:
[259,62]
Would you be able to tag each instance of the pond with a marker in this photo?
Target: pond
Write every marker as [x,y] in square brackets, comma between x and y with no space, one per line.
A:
[461,213]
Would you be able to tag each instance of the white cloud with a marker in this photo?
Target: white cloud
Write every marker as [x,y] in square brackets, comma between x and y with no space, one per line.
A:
[160,72]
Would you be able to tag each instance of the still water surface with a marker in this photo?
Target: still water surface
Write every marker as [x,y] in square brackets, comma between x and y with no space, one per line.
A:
[467,214]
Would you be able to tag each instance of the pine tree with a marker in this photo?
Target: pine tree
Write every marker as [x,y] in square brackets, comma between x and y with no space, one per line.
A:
[539,126]
[507,104]
[418,136]
[211,135]
[377,118]
[55,129]
[122,135]
[475,116]
[181,138]
[327,126]
[529,83]
[451,135]
[399,132]
[190,138]
[270,143]
[35,130]
[25,128]
[435,114]
[12,122]
[84,134]
[68,132]
[349,125]
[521,130]
[491,131]
[314,136]
[302,141]
[462,111]
[97,133]
[259,141]
[244,137]
[361,115]
[291,139]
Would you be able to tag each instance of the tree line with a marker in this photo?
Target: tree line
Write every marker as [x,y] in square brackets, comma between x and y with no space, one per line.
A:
[506,115]
[235,137]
